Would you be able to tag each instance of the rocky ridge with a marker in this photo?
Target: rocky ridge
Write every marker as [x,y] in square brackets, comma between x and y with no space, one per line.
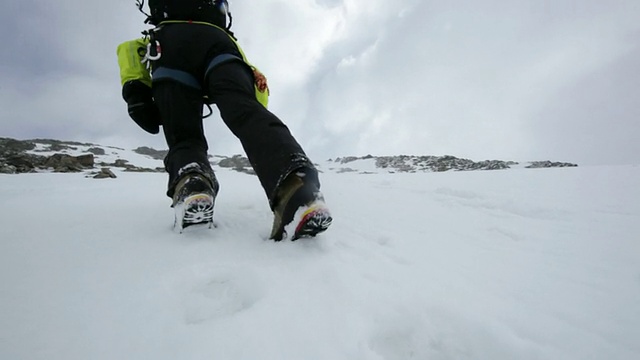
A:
[412,164]
[46,155]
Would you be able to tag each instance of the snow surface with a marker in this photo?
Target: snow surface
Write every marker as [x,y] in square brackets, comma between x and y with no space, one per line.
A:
[512,264]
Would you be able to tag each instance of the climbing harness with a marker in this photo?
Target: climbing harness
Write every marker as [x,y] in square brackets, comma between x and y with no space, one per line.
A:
[153,46]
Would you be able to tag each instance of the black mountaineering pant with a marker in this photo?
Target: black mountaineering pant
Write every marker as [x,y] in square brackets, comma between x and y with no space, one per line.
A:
[188,49]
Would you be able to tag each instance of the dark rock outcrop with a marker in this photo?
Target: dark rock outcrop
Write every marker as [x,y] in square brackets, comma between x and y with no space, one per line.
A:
[7,169]
[14,157]
[60,147]
[548,164]
[238,163]
[122,163]
[96,151]
[153,153]
[23,162]
[104,173]
[67,163]
[13,146]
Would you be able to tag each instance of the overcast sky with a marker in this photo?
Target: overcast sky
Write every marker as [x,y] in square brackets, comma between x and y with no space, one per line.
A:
[484,79]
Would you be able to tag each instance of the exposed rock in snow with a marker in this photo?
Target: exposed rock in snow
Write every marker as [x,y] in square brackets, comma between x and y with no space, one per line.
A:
[20,156]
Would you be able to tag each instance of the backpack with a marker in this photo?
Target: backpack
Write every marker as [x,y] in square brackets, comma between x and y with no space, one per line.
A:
[130,55]
[135,79]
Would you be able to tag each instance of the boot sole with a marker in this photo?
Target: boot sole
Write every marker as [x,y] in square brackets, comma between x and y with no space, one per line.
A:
[313,221]
[197,209]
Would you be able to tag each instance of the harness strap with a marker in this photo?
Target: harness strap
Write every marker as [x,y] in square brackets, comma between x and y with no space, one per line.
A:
[183,77]
[221,59]
[165,73]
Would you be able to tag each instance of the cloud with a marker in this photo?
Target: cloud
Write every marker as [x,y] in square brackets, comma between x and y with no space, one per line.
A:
[594,118]
[439,79]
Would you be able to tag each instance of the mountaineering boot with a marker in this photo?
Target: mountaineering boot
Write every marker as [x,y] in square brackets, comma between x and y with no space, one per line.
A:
[193,201]
[299,209]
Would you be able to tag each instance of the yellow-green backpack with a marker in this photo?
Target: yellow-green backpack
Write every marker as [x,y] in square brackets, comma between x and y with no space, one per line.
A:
[130,55]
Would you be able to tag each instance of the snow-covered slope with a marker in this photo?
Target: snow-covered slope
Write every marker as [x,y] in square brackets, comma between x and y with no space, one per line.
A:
[518,264]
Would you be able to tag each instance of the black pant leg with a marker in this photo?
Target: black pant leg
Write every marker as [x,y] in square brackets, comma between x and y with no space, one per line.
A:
[272,150]
[181,111]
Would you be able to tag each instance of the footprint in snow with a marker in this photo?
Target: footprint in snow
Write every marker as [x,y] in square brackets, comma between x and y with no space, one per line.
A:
[400,340]
[217,293]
